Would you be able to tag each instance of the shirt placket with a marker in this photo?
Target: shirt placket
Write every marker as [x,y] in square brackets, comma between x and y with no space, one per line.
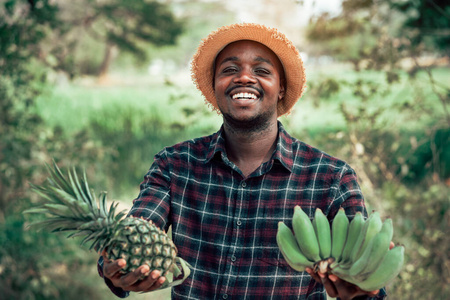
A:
[236,247]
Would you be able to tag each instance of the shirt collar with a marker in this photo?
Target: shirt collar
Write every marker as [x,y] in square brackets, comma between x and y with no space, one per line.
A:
[282,153]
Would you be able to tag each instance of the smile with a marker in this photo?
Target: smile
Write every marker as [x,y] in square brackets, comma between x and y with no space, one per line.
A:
[244,96]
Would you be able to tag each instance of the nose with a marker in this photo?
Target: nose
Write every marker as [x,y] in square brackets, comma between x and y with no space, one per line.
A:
[244,76]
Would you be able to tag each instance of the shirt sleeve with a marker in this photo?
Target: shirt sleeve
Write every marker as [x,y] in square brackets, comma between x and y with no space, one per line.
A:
[153,201]
[348,195]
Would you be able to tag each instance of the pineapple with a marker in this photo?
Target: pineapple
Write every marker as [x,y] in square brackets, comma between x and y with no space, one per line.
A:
[73,208]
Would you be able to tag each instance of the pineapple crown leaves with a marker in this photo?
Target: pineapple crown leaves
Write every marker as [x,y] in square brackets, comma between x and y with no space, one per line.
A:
[72,207]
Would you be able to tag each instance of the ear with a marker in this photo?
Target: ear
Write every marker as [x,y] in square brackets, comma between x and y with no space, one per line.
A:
[282,92]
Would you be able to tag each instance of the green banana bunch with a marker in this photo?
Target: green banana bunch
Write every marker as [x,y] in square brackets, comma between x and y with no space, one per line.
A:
[356,251]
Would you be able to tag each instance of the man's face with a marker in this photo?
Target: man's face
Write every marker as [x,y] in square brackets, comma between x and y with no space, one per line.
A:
[248,83]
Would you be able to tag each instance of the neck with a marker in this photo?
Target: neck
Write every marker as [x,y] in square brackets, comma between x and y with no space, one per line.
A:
[248,149]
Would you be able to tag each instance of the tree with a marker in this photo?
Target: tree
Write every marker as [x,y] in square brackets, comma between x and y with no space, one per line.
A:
[128,26]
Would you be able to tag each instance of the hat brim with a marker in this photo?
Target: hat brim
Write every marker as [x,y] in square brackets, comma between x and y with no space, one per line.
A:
[203,60]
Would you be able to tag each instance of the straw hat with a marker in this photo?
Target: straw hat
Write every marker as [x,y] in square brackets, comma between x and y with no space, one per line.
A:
[203,60]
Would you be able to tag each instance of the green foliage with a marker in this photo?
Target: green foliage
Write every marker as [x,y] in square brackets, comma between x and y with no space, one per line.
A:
[126,23]
[426,22]
[378,34]
[422,222]
[69,34]
[19,85]
[36,265]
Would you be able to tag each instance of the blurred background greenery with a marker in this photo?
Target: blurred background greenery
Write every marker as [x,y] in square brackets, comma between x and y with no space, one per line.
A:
[105,84]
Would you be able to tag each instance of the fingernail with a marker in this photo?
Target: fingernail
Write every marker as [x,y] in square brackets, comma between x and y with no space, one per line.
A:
[121,263]
[144,270]
[155,275]
[321,275]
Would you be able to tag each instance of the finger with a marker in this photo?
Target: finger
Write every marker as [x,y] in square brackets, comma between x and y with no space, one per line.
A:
[127,281]
[313,274]
[111,268]
[391,245]
[152,282]
[158,283]
[374,293]
[329,285]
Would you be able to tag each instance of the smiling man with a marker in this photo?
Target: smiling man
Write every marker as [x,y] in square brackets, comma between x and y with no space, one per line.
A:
[224,194]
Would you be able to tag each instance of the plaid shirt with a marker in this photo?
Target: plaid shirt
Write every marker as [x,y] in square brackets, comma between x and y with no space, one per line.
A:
[225,225]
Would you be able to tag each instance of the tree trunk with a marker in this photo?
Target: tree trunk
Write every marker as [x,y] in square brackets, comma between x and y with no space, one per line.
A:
[108,57]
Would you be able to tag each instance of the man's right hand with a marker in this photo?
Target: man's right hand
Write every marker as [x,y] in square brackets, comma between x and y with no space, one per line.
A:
[136,281]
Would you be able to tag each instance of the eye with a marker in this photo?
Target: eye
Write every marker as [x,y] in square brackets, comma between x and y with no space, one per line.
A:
[262,71]
[229,70]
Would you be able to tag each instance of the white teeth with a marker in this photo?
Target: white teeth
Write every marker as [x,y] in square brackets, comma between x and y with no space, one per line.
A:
[244,96]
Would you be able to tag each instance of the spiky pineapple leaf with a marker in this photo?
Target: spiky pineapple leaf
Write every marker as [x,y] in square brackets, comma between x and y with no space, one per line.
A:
[57,178]
[37,210]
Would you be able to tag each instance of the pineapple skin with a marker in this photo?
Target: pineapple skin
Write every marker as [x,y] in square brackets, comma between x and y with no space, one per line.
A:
[140,242]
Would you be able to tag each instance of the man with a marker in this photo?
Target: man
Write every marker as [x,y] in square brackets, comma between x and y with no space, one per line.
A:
[224,194]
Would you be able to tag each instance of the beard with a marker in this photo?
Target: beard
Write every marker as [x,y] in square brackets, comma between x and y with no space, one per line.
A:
[251,125]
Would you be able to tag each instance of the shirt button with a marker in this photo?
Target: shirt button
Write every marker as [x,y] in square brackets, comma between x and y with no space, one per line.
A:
[243,184]
[239,223]
[233,258]
[224,296]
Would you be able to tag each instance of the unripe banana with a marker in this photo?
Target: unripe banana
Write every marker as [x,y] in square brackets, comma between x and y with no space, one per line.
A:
[380,247]
[360,264]
[388,269]
[339,234]
[354,230]
[305,235]
[322,230]
[290,249]
[371,227]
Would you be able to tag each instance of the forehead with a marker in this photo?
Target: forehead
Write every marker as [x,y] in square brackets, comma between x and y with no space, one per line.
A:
[246,47]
